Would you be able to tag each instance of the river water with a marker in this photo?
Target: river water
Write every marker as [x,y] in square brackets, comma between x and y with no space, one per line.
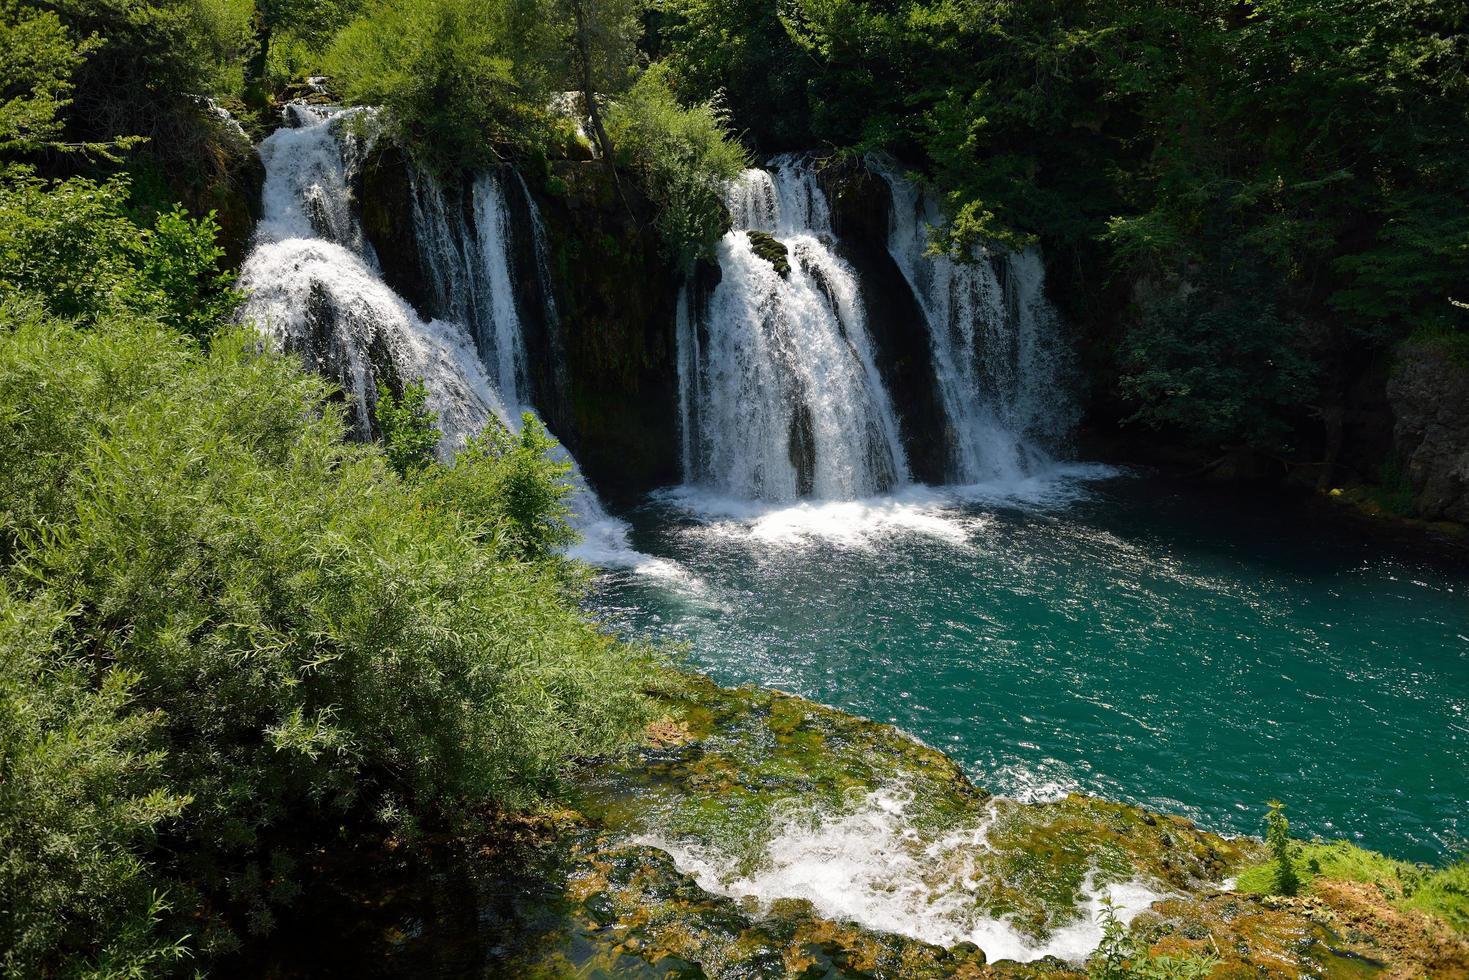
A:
[1098,631]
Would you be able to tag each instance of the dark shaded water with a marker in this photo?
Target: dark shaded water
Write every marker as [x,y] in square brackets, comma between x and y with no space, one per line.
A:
[1118,637]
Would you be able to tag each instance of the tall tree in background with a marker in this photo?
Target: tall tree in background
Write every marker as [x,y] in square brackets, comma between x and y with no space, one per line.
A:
[603,36]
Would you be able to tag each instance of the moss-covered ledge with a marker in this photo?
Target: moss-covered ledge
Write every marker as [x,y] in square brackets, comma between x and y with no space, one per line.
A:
[724,770]
[600,887]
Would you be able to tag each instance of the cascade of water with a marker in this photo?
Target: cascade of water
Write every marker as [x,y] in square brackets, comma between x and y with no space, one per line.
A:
[779,392]
[308,169]
[997,352]
[314,287]
[467,247]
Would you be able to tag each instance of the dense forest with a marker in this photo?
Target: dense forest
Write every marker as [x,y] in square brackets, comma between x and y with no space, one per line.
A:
[228,630]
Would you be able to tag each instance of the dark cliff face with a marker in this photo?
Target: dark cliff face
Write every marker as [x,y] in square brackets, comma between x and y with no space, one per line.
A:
[602,353]
[384,196]
[617,300]
[860,206]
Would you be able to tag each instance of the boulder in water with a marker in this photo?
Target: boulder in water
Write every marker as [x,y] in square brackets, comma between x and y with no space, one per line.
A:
[772,250]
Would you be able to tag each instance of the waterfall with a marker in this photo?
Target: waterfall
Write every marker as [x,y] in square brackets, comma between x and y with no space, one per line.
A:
[997,350]
[314,287]
[778,389]
[473,282]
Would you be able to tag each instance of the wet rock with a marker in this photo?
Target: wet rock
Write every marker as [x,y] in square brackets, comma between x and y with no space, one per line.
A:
[772,250]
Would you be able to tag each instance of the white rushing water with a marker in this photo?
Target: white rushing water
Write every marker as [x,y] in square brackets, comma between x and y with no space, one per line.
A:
[780,395]
[873,866]
[997,350]
[314,287]
[779,391]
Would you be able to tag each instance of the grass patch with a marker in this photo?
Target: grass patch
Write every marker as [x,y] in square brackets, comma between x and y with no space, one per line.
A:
[1443,892]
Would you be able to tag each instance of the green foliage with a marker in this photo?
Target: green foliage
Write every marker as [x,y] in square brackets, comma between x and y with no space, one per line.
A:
[743,51]
[1295,166]
[1125,956]
[1442,891]
[74,245]
[37,59]
[82,798]
[1217,367]
[306,635]
[1393,491]
[407,427]
[683,157]
[149,65]
[458,77]
[1277,838]
[512,488]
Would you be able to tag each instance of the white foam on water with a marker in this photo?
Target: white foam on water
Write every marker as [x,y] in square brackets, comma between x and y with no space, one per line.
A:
[915,511]
[946,514]
[1026,785]
[1053,486]
[871,866]
[605,543]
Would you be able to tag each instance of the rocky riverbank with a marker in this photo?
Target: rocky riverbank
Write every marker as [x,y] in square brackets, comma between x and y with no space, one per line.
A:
[755,834]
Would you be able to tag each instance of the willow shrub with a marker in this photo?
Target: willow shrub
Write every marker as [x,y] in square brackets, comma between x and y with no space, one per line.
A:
[82,796]
[310,636]
[683,156]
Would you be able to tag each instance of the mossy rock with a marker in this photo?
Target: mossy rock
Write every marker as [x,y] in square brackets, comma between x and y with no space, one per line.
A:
[772,250]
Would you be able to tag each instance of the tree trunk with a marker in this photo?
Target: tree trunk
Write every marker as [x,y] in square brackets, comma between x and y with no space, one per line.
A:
[588,89]
[260,57]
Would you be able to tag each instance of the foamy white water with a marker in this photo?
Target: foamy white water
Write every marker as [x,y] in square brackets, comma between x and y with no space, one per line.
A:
[873,867]
[945,514]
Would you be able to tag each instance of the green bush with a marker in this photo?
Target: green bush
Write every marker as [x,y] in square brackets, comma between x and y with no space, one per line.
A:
[1122,955]
[37,58]
[309,637]
[1277,838]
[73,244]
[1216,367]
[407,427]
[81,800]
[683,156]
[513,487]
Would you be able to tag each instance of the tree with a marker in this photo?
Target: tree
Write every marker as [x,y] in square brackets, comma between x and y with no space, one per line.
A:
[602,36]
[38,57]
[683,156]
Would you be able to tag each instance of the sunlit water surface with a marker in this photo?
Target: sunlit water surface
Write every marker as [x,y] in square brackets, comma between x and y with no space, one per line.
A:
[1093,632]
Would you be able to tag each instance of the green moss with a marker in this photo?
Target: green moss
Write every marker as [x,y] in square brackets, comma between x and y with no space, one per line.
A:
[755,760]
[772,250]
